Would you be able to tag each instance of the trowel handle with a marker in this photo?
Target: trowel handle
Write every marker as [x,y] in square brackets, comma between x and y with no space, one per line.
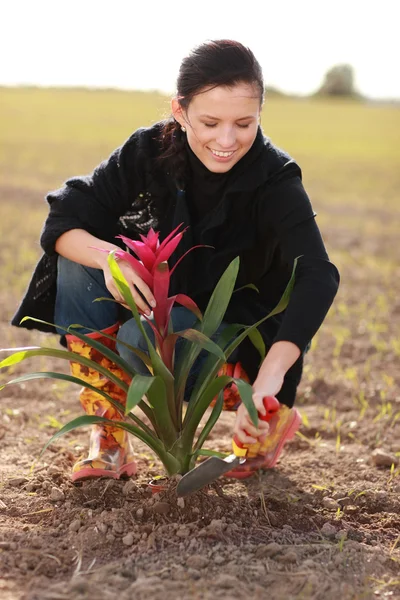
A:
[271,405]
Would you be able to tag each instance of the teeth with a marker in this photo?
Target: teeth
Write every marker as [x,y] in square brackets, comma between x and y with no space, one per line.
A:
[222,154]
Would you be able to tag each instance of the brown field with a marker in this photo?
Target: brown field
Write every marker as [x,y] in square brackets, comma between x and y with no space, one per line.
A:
[325,523]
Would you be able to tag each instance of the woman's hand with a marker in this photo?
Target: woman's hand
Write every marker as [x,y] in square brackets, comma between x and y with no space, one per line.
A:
[132,279]
[268,382]
[281,356]
[267,385]
[85,249]
[245,428]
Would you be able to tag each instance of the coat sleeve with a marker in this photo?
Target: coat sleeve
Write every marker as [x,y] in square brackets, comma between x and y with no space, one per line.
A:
[95,202]
[290,216]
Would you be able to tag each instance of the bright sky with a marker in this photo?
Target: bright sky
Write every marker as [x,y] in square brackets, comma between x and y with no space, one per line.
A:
[139,44]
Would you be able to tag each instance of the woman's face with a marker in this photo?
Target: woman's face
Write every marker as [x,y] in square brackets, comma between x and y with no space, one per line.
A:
[221,124]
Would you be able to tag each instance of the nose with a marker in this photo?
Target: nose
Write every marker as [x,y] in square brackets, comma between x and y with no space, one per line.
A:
[226,138]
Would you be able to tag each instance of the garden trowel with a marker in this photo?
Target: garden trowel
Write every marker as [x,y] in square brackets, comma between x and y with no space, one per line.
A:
[212,468]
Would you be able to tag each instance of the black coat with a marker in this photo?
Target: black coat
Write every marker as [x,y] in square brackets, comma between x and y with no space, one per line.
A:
[264,216]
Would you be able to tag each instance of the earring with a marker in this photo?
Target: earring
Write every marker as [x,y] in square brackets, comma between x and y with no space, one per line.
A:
[183,129]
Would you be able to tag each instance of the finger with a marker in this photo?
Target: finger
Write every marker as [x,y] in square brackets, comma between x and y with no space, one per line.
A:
[140,303]
[138,288]
[263,426]
[242,431]
[112,288]
[146,294]
[244,438]
[251,430]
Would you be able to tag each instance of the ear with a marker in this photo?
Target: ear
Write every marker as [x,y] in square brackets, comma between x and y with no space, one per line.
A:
[177,111]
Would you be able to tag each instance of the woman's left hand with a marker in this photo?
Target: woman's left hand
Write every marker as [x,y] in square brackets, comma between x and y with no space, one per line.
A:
[268,382]
[244,427]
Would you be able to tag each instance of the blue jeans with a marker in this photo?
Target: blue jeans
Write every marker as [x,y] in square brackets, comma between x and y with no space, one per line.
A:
[79,286]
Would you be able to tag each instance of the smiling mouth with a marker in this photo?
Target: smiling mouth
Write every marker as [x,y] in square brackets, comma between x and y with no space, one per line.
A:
[222,154]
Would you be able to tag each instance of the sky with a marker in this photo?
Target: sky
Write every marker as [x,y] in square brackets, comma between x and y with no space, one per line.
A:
[134,44]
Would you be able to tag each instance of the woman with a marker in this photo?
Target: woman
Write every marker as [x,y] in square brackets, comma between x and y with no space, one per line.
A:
[210,167]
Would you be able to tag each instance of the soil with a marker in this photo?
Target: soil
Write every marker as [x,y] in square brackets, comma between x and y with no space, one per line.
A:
[323,524]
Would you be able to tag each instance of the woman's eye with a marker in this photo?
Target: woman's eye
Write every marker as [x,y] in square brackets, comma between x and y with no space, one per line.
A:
[243,126]
[210,124]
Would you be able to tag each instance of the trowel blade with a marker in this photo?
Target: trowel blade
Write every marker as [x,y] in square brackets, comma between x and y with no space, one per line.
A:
[206,473]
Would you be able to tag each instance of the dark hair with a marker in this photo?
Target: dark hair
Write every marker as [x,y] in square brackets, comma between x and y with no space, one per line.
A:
[211,64]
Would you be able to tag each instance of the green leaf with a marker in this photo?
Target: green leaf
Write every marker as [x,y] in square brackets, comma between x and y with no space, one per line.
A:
[205,452]
[105,299]
[246,394]
[220,299]
[191,423]
[142,355]
[216,411]
[114,357]
[157,396]
[211,366]
[24,353]
[284,301]
[82,421]
[215,387]
[258,342]
[281,306]
[137,389]
[63,377]
[202,340]
[154,387]
[249,285]
[212,319]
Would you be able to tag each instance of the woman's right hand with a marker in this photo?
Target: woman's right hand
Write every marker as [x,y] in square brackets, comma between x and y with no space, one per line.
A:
[82,247]
[133,280]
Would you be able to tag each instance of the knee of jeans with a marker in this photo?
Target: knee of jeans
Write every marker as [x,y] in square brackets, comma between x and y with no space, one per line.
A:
[129,333]
[69,272]
[73,277]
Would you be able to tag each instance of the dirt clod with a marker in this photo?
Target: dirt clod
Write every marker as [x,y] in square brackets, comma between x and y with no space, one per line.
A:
[289,557]
[128,539]
[17,481]
[197,561]
[382,458]
[75,525]
[129,487]
[267,550]
[226,581]
[328,530]
[330,503]
[162,508]
[183,532]
[57,495]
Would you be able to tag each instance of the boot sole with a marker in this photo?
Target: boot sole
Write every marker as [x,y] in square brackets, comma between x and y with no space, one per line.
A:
[290,433]
[88,473]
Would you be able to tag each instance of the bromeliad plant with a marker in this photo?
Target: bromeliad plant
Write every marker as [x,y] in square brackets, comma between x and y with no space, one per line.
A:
[173,433]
